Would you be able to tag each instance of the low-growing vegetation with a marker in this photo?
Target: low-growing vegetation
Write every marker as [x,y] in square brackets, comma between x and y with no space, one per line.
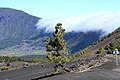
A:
[112,45]
[79,53]
[4,68]
[38,59]
[13,62]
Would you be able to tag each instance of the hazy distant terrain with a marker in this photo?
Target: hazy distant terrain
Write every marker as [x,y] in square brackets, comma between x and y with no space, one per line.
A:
[23,34]
[19,35]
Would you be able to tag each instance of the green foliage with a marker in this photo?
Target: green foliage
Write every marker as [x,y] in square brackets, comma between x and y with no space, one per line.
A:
[4,68]
[56,46]
[79,53]
[38,59]
[112,45]
[99,50]
[9,59]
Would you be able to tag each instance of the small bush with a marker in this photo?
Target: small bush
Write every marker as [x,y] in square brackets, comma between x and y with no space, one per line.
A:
[92,63]
[4,68]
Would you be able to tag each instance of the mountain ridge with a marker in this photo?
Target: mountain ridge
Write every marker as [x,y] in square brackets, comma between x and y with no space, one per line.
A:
[13,25]
[19,35]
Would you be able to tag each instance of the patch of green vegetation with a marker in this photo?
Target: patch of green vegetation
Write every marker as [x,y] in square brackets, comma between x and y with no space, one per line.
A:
[4,68]
[37,59]
[24,48]
[79,53]
[34,58]
[112,45]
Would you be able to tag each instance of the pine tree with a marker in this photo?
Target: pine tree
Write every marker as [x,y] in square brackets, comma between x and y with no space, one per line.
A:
[56,47]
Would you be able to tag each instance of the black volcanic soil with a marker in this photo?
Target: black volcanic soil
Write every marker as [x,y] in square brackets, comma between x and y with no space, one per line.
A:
[107,71]
[104,72]
[26,73]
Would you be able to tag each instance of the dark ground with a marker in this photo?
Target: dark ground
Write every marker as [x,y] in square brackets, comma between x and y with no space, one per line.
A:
[26,73]
[103,72]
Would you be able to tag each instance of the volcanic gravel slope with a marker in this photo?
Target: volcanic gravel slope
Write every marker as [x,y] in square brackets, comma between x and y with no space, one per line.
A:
[107,71]
[103,72]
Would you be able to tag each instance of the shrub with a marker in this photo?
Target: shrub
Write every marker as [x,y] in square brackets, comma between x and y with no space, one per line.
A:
[4,68]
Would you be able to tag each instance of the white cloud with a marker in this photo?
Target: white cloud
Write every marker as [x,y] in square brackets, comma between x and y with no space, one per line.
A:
[106,21]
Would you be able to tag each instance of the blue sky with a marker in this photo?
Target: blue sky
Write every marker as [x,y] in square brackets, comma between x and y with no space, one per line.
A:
[62,8]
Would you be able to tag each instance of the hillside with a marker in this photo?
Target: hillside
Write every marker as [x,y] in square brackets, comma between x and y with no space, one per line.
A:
[79,40]
[19,35]
[15,26]
[106,44]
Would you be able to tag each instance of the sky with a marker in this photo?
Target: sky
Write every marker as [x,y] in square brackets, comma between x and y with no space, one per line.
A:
[62,8]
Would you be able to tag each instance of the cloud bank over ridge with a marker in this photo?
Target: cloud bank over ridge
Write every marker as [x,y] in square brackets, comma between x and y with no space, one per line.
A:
[105,21]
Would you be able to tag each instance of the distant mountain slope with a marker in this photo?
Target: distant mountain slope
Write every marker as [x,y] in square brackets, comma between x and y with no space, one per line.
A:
[15,26]
[20,35]
[79,40]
